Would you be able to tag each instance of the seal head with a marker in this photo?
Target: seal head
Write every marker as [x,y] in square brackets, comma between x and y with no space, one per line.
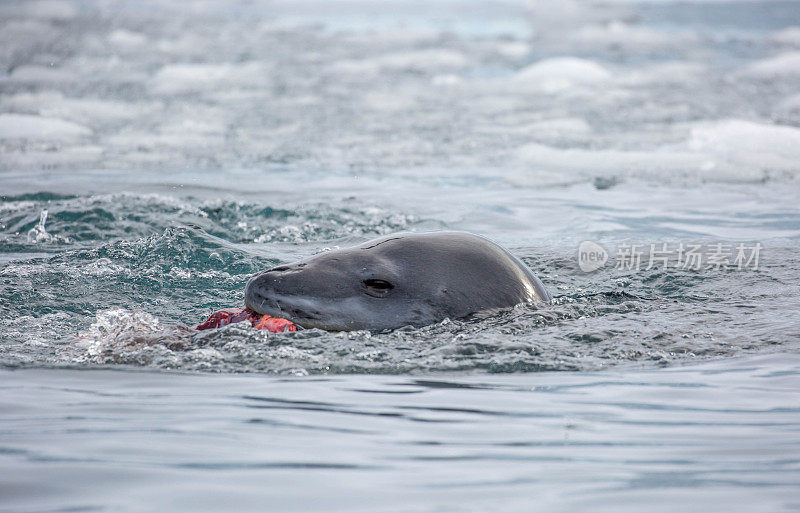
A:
[398,280]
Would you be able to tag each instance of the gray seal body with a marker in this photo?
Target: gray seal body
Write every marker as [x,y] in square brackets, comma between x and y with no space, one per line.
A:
[398,280]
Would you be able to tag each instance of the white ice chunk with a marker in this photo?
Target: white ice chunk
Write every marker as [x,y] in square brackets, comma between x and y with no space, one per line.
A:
[47,9]
[623,35]
[187,78]
[90,111]
[24,126]
[592,162]
[789,36]
[420,60]
[671,72]
[388,101]
[42,158]
[785,65]
[556,74]
[731,150]
[446,80]
[745,146]
[790,104]
[513,49]
[31,102]
[49,74]
[126,39]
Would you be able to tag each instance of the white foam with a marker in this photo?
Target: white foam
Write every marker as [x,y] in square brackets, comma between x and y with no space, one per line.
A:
[117,330]
[24,126]
[38,233]
[785,65]
[553,75]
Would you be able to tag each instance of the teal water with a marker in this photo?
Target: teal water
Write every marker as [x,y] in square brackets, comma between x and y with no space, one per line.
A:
[114,277]
[154,156]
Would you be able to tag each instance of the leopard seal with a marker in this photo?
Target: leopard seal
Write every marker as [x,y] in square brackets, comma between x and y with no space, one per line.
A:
[397,280]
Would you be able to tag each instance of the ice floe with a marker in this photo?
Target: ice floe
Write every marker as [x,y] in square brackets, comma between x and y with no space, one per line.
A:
[556,74]
[781,66]
[24,126]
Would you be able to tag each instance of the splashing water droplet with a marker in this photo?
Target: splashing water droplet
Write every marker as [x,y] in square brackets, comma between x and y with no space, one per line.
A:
[38,233]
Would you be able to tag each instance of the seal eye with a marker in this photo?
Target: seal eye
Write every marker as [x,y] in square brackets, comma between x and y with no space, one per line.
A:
[377,288]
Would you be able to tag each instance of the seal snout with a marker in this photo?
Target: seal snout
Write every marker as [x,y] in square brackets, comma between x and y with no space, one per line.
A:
[257,294]
[265,289]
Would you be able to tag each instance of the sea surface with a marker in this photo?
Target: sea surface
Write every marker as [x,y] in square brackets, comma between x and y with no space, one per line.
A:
[153,156]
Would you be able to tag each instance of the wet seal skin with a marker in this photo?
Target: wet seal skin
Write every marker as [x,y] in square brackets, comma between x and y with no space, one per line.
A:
[398,280]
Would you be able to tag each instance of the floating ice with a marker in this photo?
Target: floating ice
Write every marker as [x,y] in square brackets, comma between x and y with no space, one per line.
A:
[573,163]
[421,60]
[781,66]
[680,73]
[60,10]
[35,73]
[631,37]
[790,104]
[749,149]
[188,78]
[30,157]
[513,49]
[24,126]
[789,36]
[552,75]
[310,85]
[127,39]
[731,150]
[91,111]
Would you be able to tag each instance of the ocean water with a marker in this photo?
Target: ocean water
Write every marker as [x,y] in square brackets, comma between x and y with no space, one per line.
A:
[153,156]
[709,437]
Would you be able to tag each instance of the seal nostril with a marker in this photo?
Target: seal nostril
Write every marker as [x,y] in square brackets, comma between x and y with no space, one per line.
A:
[282,268]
